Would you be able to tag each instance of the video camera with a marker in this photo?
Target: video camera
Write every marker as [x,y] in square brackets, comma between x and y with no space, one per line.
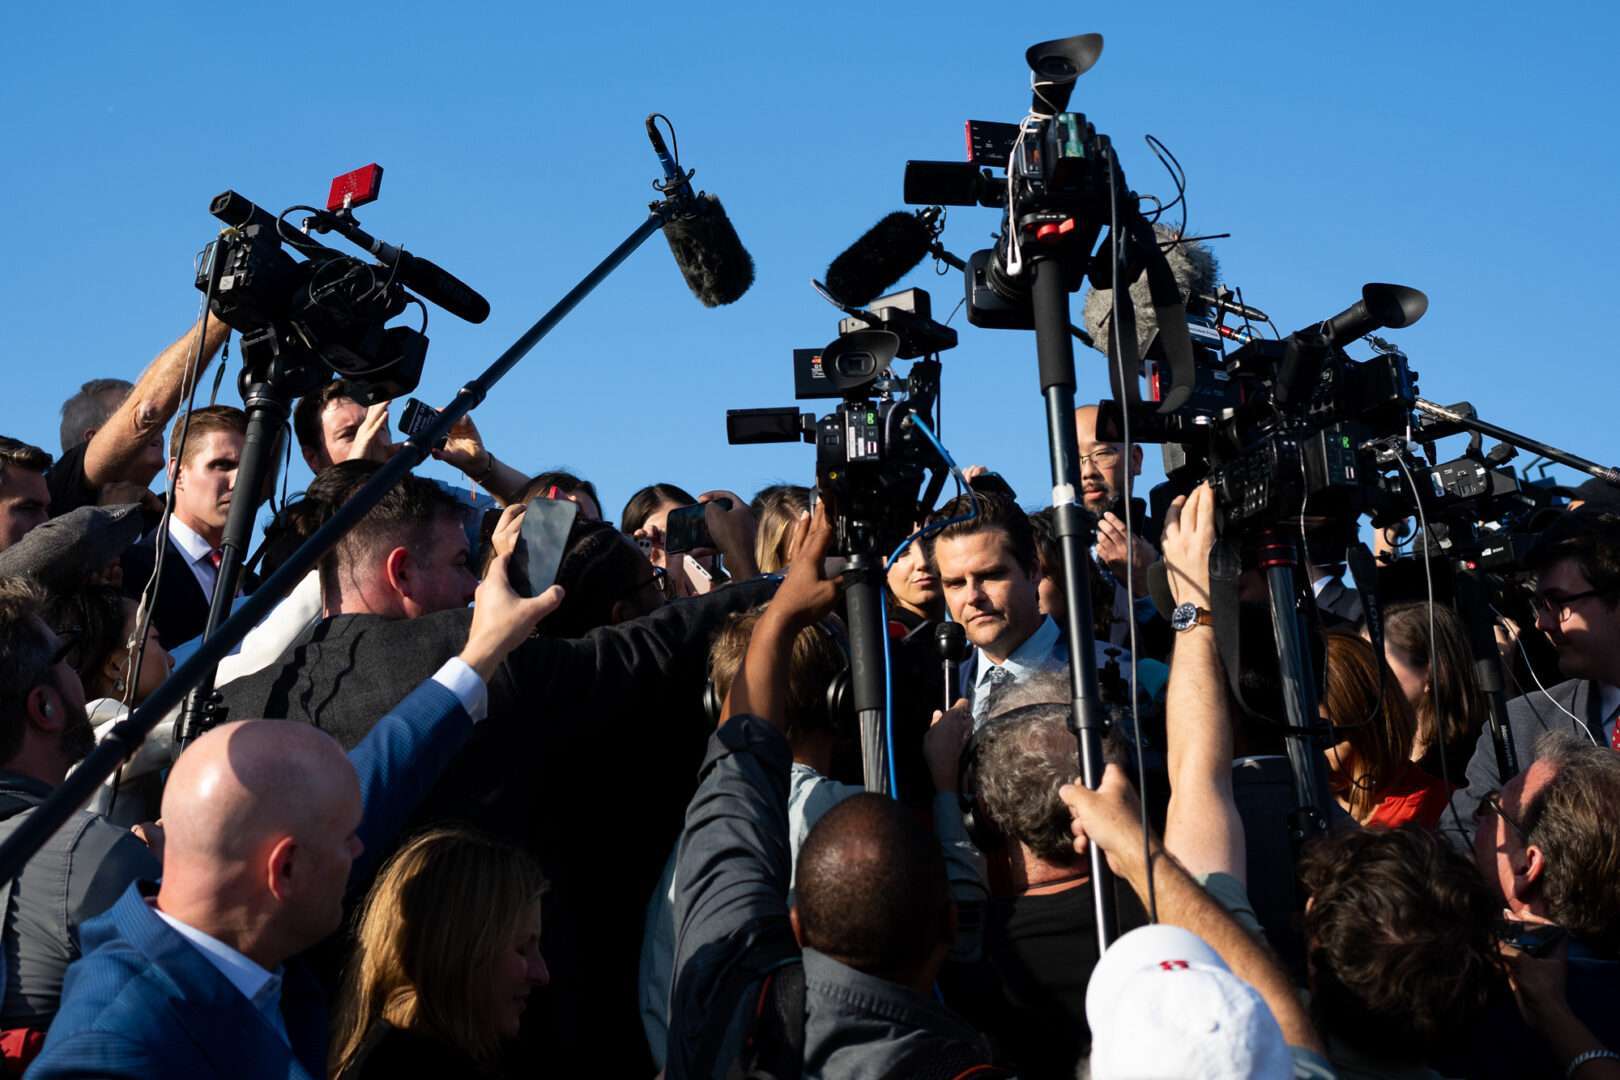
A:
[301,321]
[1283,428]
[872,462]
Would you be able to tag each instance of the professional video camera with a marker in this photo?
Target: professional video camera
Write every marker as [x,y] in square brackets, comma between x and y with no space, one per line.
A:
[873,464]
[308,319]
[1284,428]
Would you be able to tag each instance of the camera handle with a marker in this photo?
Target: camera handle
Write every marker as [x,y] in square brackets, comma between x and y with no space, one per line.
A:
[1075,527]
[128,734]
[1279,560]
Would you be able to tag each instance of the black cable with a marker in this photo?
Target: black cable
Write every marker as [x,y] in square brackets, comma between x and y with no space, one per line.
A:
[1434,692]
[1178,176]
[1130,542]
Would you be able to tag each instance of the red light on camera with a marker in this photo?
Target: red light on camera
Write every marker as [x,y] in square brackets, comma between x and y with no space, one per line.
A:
[355,188]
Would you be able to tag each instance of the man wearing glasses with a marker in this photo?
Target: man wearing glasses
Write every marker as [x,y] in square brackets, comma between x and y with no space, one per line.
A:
[1576,562]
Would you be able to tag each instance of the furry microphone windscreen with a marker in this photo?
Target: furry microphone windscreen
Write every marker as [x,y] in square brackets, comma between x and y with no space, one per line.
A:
[1196,271]
[717,268]
[885,254]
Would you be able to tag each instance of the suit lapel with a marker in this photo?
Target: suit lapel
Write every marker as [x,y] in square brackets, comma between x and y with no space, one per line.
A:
[225,1026]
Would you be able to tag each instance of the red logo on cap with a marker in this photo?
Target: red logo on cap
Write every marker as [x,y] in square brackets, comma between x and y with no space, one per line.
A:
[1173,965]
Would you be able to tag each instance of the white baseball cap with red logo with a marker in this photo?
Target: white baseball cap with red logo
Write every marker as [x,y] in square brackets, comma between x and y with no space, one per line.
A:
[1162,1003]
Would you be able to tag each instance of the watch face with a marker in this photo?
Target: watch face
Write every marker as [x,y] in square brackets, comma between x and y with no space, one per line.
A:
[1184,617]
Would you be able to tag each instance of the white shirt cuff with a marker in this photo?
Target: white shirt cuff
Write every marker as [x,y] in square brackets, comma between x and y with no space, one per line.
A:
[462,681]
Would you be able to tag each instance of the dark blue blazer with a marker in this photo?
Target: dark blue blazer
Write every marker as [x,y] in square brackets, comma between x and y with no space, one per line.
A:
[143,1002]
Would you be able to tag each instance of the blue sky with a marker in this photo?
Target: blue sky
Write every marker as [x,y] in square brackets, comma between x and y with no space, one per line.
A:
[1463,149]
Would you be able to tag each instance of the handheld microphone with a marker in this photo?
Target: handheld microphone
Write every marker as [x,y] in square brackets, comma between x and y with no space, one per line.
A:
[1222,301]
[706,247]
[426,277]
[886,253]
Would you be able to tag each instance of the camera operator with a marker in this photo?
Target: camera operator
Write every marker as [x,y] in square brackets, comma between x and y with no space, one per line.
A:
[1576,563]
[838,985]
[25,498]
[331,427]
[204,473]
[112,433]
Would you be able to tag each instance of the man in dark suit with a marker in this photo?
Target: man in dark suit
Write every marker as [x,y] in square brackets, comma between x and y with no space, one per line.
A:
[624,697]
[204,472]
[1576,561]
[267,827]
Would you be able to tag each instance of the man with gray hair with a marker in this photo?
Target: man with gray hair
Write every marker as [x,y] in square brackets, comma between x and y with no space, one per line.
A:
[112,432]
[1028,990]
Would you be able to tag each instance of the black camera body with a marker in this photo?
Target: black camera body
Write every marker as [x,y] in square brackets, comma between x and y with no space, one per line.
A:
[306,319]
[872,463]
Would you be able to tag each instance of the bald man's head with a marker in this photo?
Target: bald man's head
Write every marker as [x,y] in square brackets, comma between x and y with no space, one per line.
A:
[872,890]
[262,814]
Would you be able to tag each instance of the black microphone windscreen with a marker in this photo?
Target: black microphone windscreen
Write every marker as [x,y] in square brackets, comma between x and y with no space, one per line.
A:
[877,260]
[717,268]
[1159,588]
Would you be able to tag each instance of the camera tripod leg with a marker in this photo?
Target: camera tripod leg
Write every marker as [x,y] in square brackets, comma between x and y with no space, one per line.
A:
[268,407]
[1075,528]
[1475,614]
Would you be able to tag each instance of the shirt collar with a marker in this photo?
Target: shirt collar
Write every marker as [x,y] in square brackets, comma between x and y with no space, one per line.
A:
[244,974]
[186,538]
[1032,656]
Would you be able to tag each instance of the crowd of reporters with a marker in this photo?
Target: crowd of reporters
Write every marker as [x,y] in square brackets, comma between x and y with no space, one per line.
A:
[439,827]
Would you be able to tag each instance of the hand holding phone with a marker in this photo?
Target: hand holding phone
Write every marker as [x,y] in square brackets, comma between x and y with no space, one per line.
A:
[541,545]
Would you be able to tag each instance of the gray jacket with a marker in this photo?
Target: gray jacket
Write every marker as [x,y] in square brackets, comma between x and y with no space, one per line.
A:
[1528,717]
[732,930]
[78,874]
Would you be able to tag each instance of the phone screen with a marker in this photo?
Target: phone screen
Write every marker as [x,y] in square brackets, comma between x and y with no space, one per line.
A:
[541,544]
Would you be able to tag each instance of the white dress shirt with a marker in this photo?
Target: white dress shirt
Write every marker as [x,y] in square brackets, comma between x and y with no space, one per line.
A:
[198,553]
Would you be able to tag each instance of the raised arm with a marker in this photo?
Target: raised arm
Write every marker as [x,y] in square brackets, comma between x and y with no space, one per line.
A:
[1202,829]
[1110,818]
[150,405]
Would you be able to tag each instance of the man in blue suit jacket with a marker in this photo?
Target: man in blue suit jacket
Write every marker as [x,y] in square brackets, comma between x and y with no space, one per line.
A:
[267,826]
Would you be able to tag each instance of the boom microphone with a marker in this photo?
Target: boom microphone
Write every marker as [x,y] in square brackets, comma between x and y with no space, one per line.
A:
[887,253]
[716,266]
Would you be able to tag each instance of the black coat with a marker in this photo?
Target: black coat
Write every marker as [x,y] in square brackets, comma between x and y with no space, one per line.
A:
[588,758]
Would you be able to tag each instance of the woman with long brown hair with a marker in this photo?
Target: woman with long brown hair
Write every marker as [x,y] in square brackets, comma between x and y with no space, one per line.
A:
[1369,764]
[1438,680]
[446,953]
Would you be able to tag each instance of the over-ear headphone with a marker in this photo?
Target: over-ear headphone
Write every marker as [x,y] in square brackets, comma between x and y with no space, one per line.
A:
[839,703]
[985,836]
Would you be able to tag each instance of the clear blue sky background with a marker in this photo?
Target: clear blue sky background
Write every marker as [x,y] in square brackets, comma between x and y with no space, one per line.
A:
[1464,149]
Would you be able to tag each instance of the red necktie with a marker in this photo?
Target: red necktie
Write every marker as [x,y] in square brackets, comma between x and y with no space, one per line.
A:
[1614,740]
[216,557]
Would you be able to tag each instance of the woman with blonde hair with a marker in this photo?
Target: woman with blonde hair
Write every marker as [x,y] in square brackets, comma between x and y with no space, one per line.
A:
[447,950]
[777,509]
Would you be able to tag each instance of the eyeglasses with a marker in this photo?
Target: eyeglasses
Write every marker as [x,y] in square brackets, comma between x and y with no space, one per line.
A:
[1105,457]
[1492,803]
[1556,606]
